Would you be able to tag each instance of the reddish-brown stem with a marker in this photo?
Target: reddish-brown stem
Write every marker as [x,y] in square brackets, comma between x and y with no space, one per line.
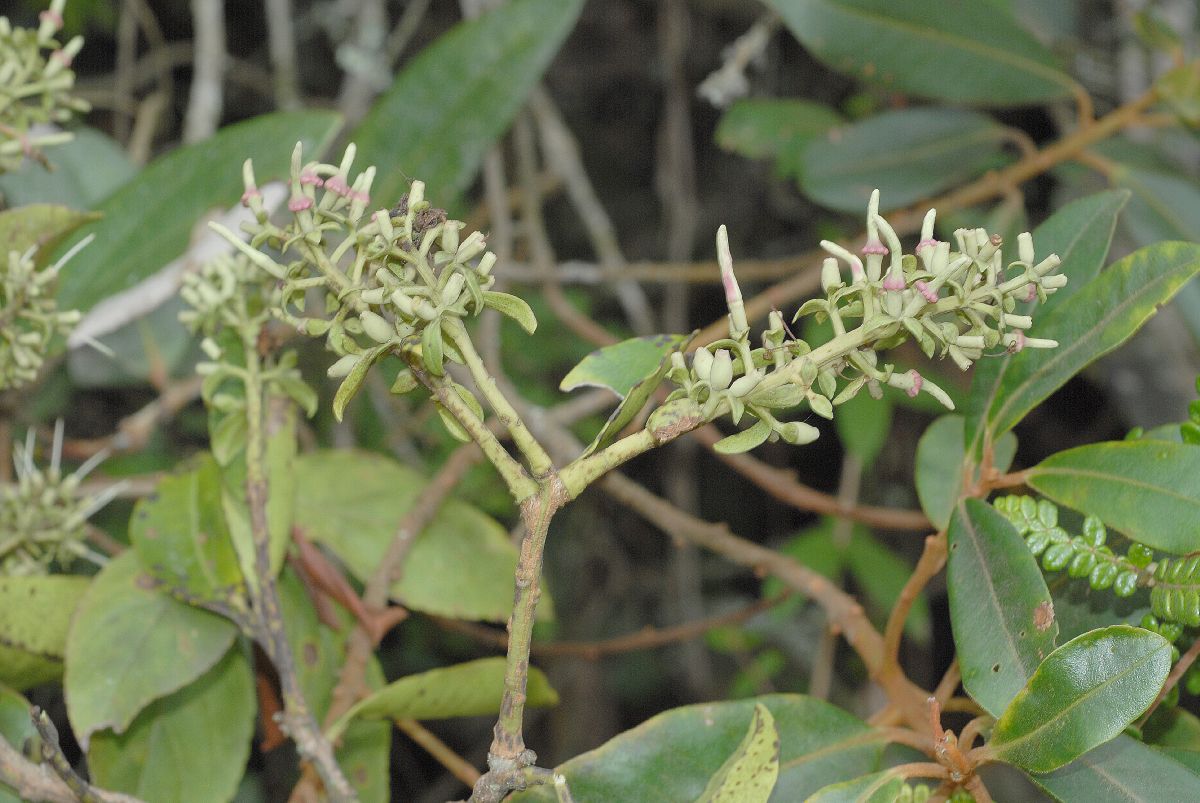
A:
[933,558]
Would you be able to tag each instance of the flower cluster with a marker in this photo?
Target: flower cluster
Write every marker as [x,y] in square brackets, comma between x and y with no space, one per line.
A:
[959,303]
[29,315]
[396,279]
[43,515]
[35,85]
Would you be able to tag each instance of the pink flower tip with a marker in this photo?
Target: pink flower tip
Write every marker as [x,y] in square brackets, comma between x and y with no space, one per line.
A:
[337,185]
[918,380]
[1018,342]
[251,192]
[309,177]
[1030,291]
[928,292]
[930,243]
[874,247]
[300,204]
[856,269]
[893,282]
[360,196]
[51,16]
[61,57]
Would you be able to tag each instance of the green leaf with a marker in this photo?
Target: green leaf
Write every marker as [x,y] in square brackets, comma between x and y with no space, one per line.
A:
[1084,694]
[1180,88]
[775,128]
[43,225]
[1149,490]
[513,307]
[433,352]
[1176,733]
[16,728]
[129,645]
[940,462]
[181,539]
[1093,322]
[1080,233]
[749,774]
[675,753]
[1122,771]
[451,102]
[1164,206]
[353,381]
[863,425]
[745,440]
[908,154]
[461,565]
[149,221]
[878,787]
[189,747]
[463,690]
[633,369]
[86,170]
[959,52]
[35,614]
[279,460]
[1000,608]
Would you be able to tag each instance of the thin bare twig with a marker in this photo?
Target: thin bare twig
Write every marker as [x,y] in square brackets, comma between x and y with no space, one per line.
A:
[206,99]
[281,44]
[932,559]
[458,766]
[647,638]
[39,779]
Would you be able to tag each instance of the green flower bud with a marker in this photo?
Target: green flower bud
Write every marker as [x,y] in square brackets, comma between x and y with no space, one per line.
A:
[342,367]
[743,385]
[721,373]
[377,327]
[453,288]
[702,363]
[798,433]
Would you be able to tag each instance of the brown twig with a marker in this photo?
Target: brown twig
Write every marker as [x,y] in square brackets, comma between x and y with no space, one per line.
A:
[932,559]
[948,684]
[647,638]
[458,766]
[52,757]
[782,484]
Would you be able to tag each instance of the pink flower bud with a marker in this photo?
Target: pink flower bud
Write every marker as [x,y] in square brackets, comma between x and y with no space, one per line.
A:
[51,16]
[929,243]
[337,185]
[893,282]
[918,380]
[309,177]
[1018,342]
[299,204]
[874,247]
[250,193]
[928,292]
[1030,292]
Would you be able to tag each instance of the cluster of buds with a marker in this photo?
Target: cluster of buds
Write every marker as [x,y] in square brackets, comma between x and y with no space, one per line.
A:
[960,303]
[35,85]
[29,315]
[43,515]
[391,280]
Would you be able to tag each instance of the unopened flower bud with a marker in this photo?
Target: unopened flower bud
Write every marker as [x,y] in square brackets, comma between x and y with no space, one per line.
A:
[1025,247]
[702,362]
[210,348]
[471,247]
[453,288]
[416,195]
[424,309]
[721,373]
[1054,281]
[342,367]
[486,263]
[376,327]
[831,275]
[402,302]
[373,296]
[743,385]
[1046,265]
[798,433]
[450,232]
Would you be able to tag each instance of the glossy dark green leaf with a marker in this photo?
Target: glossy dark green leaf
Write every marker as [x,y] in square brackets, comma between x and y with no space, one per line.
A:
[35,613]
[908,154]
[149,221]
[463,690]
[181,538]
[774,128]
[1080,233]
[749,774]
[1084,694]
[148,644]
[450,103]
[675,753]
[633,369]
[461,565]
[1000,608]
[961,52]
[87,169]
[1122,771]
[1094,321]
[878,787]
[188,747]
[940,462]
[512,306]
[1149,490]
